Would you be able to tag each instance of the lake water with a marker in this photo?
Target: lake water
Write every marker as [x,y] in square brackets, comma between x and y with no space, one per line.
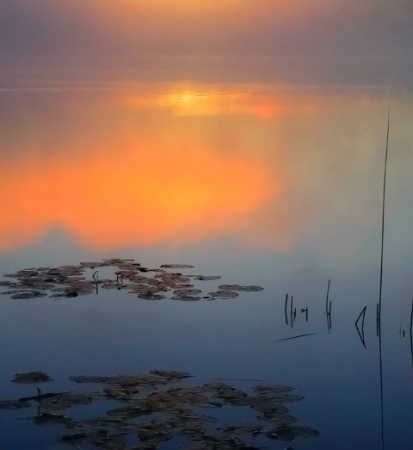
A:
[268,185]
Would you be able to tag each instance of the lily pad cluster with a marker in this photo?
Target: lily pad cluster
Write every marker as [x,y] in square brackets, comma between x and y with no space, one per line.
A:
[31,377]
[148,284]
[156,407]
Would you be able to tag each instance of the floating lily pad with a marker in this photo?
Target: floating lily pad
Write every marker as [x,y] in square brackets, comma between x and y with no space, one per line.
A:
[170,410]
[242,428]
[288,432]
[237,287]
[28,295]
[14,291]
[176,266]
[47,418]
[65,401]
[272,389]
[91,265]
[171,374]
[31,377]
[186,292]
[139,408]
[154,434]
[13,404]
[89,379]
[150,296]
[71,281]
[187,298]
[280,397]
[74,436]
[207,277]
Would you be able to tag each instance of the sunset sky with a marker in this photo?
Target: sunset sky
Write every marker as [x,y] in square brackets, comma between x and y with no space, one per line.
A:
[301,41]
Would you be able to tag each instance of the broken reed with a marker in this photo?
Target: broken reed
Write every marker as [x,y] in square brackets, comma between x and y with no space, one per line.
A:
[362,314]
[361,331]
[285,309]
[328,306]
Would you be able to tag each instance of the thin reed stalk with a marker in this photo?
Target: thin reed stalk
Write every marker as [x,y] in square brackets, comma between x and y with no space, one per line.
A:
[382,219]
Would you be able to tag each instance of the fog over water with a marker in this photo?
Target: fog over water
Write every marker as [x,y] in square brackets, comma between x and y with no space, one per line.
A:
[246,139]
[302,42]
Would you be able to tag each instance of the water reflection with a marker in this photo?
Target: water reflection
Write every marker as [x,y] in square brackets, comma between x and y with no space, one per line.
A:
[199,100]
[131,197]
[178,163]
[245,172]
[360,327]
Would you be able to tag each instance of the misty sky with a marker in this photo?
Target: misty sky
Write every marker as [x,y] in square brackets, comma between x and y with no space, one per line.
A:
[318,41]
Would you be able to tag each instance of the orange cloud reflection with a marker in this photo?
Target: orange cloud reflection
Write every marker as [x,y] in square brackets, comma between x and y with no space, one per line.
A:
[140,196]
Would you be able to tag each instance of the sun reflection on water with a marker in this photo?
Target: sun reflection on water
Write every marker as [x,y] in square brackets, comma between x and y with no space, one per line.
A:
[176,163]
[141,196]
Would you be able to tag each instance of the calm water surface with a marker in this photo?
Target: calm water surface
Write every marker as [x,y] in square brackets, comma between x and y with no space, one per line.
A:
[274,186]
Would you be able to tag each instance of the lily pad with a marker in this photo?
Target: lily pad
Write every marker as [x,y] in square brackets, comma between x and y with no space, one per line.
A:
[242,428]
[72,281]
[28,295]
[150,296]
[207,277]
[47,418]
[74,436]
[176,266]
[89,379]
[238,287]
[186,292]
[13,404]
[288,432]
[170,410]
[65,401]
[187,298]
[31,377]
[154,433]
[171,374]
[272,389]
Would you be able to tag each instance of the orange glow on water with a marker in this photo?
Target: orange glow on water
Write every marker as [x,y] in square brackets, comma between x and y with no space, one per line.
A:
[177,163]
[138,197]
[197,101]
